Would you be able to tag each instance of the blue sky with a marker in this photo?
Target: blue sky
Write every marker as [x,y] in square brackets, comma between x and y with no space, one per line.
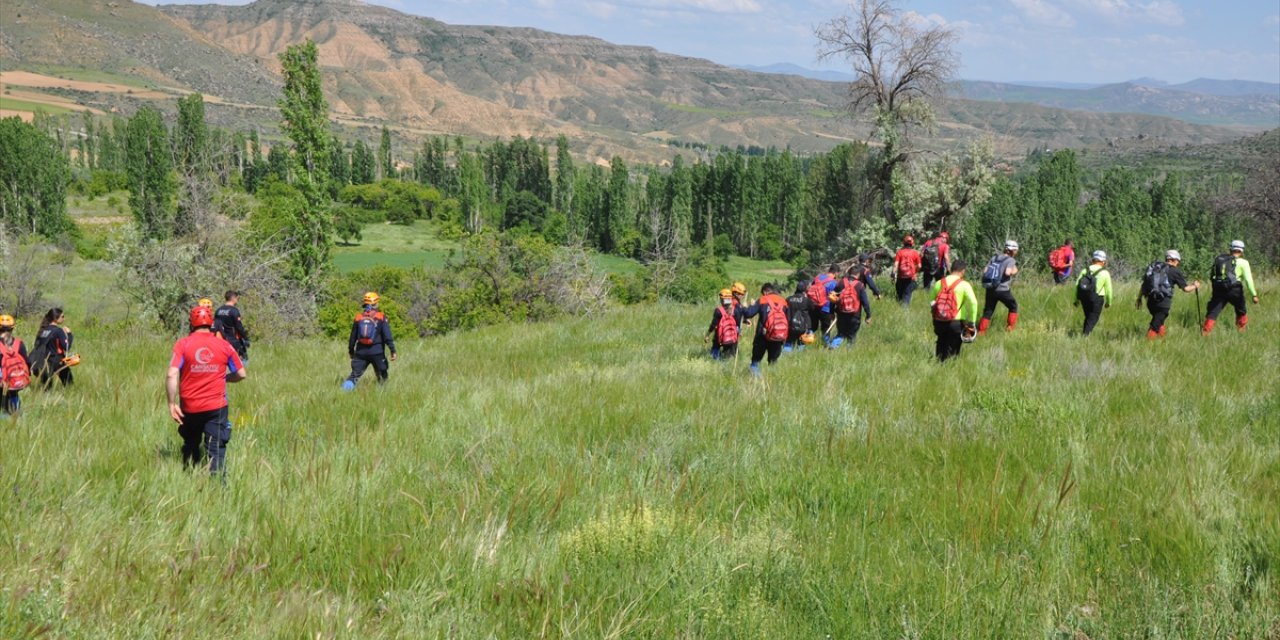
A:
[1059,40]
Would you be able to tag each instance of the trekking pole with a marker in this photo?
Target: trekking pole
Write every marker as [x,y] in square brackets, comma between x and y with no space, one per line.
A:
[1199,319]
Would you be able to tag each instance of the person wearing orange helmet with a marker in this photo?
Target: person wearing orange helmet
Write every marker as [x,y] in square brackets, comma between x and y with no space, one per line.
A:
[726,327]
[15,365]
[906,265]
[199,370]
[369,342]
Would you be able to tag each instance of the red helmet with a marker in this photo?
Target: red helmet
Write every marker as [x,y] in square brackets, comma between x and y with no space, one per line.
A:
[909,240]
[201,317]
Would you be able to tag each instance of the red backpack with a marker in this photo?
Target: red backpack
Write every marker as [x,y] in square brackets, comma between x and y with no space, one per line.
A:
[367,326]
[849,301]
[777,327]
[817,292]
[946,307]
[1058,259]
[727,328]
[906,265]
[13,369]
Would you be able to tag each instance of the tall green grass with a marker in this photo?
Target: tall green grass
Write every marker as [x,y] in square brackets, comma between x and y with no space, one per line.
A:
[601,478]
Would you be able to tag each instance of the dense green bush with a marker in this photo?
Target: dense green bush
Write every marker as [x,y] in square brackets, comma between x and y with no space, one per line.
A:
[692,278]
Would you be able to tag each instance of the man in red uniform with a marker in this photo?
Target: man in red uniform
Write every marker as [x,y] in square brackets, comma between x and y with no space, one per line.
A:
[202,365]
[906,264]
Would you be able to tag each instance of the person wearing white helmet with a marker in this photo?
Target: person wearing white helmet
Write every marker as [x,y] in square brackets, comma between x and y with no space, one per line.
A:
[1093,291]
[1231,279]
[997,279]
[1157,287]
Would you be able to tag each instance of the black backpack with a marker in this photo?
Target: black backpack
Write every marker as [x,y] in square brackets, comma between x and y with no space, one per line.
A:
[929,258]
[1087,285]
[39,355]
[1156,284]
[799,317]
[1224,272]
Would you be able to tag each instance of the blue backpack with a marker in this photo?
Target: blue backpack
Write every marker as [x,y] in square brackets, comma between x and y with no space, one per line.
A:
[993,275]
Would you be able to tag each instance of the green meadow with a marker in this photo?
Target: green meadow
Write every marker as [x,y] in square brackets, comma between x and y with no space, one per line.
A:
[601,478]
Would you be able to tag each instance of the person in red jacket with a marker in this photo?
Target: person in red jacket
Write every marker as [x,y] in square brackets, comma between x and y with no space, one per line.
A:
[202,365]
[906,265]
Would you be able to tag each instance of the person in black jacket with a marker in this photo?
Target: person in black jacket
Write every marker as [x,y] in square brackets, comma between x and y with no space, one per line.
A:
[228,323]
[848,324]
[801,314]
[53,344]
[369,343]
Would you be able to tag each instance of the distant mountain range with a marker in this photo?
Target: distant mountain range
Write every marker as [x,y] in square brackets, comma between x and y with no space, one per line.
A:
[422,76]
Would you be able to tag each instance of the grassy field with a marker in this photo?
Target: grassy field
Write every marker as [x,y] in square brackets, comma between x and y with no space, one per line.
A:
[600,478]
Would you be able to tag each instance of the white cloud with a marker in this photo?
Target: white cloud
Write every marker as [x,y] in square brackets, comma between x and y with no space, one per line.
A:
[714,6]
[1272,21]
[1045,13]
[1163,12]
[602,10]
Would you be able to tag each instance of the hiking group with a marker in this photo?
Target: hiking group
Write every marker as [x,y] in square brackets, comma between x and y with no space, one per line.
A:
[839,301]
[49,361]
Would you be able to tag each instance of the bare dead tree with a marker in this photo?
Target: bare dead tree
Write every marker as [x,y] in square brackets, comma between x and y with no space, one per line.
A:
[1258,201]
[902,63]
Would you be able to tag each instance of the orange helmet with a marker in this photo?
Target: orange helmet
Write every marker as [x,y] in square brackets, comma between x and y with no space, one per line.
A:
[7,322]
[72,360]
[205,302]
[201,317]
[739,289]
[806,338]
[371,298]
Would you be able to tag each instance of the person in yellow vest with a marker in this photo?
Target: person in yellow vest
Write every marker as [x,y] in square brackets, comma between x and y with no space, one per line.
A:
[955,312]
[1232,278]
[1093,291]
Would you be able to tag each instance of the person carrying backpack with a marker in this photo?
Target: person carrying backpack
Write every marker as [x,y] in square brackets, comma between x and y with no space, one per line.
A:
[819,292]
[850,303]
[15,366]
[868,263]
[997,279]
[1158,284]
[726,327]
[773,328]
[1093,291]
[51,354]
[906,264]
[954,311]
[936,259]
[199,370]
[369,342]
[1231,279]
[228,323]
[1061,261]
[800,312]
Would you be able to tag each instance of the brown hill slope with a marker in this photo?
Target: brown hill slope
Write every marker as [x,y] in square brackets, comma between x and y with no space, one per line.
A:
[426,76]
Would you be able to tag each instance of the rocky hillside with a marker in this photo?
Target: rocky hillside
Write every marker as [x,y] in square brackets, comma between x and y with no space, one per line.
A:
[424,76]
[1249,106]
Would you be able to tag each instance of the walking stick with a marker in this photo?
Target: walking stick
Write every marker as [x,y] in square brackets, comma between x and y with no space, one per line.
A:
[1199,319]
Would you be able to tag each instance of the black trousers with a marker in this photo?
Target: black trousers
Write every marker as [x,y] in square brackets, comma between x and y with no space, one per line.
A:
[820,321]
[1159,313]
[1222,296]
[211,429]
[63,376]
[847,326]
[760,347]
[724,351]
[360,362]
[1060,277]
[905,287]
[949,342]
[1003,297]
[1092,313]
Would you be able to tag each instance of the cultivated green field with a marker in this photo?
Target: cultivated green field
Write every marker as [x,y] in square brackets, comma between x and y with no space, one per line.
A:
[600,478]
